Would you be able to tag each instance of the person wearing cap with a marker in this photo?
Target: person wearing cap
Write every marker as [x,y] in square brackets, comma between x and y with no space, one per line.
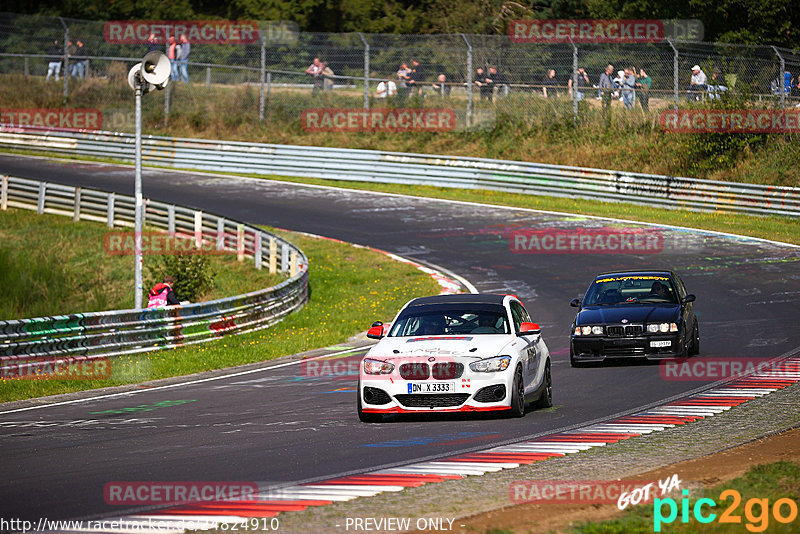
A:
[697,84]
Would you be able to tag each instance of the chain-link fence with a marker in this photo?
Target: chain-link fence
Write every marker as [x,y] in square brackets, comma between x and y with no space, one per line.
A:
[41,66]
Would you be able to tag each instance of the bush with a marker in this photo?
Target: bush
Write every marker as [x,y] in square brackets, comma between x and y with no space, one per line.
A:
[193,275]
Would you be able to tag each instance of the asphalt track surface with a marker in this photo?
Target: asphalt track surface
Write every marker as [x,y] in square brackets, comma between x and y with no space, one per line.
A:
[278,426]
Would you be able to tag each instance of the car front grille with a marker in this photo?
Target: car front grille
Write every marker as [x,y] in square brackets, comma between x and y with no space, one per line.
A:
[626,330]
[494,393]
[624,351]
[432,401]
[447,370]
[376,396]
[415,371]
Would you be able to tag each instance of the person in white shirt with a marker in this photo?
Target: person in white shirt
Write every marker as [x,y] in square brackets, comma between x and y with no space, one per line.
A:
[387,88]
[698,83]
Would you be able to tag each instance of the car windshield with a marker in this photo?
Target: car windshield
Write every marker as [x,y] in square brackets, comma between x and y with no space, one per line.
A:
[438,320]
[612,290]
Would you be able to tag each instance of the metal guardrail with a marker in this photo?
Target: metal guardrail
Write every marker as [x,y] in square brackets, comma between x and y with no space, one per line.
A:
[402,168]
[82,336]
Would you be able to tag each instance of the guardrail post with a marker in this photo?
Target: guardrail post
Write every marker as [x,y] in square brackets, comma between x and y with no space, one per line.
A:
[4,193]
[240,242]
[469,81]
[220,233]
[171,220]
[198,229]
[293,264]
[257,249]
[366,70]
[273,256]
[110,210]
[40,200]
[284,258]
[261,75]
[208,78]
[76,216]
[781,83]
[674,73]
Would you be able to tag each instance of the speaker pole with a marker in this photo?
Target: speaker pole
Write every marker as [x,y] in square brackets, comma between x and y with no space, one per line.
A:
[137,269]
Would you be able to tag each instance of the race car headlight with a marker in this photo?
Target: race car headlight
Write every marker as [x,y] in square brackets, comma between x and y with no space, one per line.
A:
[577,330]
[673,327]
[377,367]
[491,365]
[663,327]
[652,328]
[597,330]
[586,330]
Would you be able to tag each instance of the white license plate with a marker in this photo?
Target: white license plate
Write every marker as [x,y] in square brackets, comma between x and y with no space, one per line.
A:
[666,343]
[431,387]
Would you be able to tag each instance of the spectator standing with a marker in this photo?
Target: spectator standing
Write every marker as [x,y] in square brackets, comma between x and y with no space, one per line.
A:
[54,54]
[485,84]
[71,61]
[500,80]
[441,87]
[172,54]
[605,86]
[644,83]
[386,88]
[549,84]
[403,77]
[315,71]
[697,84]
[327,77]
[583,82]
[629,88]
[152,43]
[183,58]
[78,65]
[416,77]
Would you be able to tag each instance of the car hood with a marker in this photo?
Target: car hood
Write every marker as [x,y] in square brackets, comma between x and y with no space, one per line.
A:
[469,346]
[633,313]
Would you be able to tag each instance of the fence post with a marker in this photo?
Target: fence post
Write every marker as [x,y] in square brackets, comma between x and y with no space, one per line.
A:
[27,70]
[40,200]
[198,229]
[66,58]
[469,81]
[284,258]
[574,82]
[220,233]
[366,70]
[208,78]
[4,193]
[293,264]
[273,255]
[76,216]
[167,91]
[674,73]
[110,210]
[257,249]
[240,242]
[269,86]
[261,78]
[781,82]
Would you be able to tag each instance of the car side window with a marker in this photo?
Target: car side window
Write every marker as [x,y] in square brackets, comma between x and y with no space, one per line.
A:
[681,287]
[519,314]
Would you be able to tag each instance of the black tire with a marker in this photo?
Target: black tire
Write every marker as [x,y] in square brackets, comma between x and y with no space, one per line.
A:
[695,341]
[546,398]
[517,395]
[366,417]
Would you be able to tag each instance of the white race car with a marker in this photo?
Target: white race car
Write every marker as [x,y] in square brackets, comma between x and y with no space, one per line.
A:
[455,353]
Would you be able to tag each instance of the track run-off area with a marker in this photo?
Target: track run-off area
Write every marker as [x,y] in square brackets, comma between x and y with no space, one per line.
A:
[277,426]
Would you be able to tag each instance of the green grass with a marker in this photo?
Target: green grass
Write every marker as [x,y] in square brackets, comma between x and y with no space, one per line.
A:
[774,481]
[350,288]
[50,265]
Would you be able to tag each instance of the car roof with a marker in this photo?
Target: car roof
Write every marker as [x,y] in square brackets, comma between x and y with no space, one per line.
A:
[648,272]
[460,298]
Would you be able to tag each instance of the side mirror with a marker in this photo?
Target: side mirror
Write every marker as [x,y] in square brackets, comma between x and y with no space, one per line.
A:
[688,298]
[375,331]
[526,329]
[575,303]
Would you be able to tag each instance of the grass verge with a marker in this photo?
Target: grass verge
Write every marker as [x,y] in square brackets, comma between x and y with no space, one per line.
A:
[350,287]
[760,488]
[50,265]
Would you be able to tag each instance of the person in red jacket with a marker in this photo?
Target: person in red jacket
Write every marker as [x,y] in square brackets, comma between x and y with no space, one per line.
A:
[162,294]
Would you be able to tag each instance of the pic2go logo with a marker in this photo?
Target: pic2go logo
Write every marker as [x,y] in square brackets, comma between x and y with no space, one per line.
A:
[756,511]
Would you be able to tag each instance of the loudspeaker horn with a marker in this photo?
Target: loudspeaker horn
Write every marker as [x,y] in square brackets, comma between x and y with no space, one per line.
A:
[135,73]
[156,69]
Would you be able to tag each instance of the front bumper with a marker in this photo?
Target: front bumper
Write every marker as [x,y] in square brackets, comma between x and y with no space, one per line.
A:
[598,348]
[390,395]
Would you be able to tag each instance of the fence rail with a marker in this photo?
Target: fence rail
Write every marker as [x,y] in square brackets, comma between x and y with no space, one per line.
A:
[402,168]
[84,336]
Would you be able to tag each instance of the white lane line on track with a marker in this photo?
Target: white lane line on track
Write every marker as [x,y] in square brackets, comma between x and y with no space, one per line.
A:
[189,383]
